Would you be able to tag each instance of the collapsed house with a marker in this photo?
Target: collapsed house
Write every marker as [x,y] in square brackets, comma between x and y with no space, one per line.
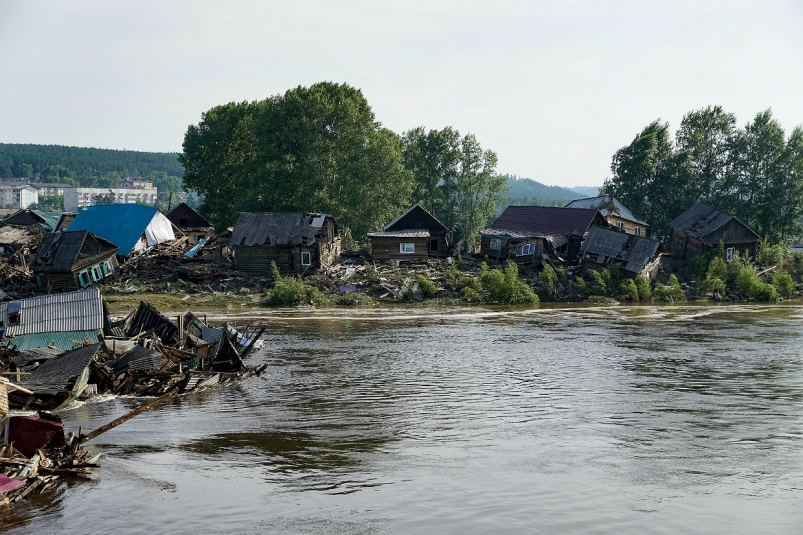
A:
[16,241]
[615,213]
[73,260]
[63,320]
[414,235]
[702,227]
[525,233]
[190,223]
[33,218]
[296,242]
[131,227]
[632,254]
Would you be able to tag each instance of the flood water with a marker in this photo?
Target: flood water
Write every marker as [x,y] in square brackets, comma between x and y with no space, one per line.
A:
[457,421]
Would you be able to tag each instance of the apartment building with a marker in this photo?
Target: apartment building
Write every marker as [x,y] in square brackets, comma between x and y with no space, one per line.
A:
[77,198]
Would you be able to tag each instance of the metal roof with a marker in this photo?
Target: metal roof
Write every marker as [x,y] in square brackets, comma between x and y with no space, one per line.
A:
[400,234]
[275,228]
[594,202]
[702,219]
[136,358]
[69,311]
[636,251]
[555,225]
[56,374]
[63,341]
[62,250]
[121,224]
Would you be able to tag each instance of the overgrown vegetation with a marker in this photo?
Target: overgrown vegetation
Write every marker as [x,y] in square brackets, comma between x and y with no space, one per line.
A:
[291,291]
[504,285]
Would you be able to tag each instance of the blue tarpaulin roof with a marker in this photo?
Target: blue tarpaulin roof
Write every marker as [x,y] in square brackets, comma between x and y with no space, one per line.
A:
[121,224]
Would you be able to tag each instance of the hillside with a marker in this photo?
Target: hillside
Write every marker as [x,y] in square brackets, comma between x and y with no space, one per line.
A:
[24,160]
[525,191]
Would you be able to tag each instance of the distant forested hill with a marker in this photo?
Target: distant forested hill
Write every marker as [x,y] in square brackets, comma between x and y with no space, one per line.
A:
[525,191]
[24,160]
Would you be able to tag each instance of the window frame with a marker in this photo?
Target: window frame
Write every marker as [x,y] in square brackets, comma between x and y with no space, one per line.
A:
[729,253]
[85,275]
[309,258]
[620,225]
[495,244]
[403,249]
[637,231]
[525,250]
[96,273]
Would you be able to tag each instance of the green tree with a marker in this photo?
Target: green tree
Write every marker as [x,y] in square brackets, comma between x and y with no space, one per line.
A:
[315,148]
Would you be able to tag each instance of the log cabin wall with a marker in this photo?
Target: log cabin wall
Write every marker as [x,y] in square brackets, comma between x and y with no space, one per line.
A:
[389,248]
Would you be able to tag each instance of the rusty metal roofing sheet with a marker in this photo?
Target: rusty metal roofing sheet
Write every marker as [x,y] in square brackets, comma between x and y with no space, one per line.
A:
[70,311]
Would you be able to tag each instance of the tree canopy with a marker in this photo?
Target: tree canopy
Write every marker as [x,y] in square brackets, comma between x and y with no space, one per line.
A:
[755,172]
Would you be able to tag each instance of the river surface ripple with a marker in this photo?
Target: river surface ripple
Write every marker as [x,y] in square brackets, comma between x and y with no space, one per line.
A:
[587,420]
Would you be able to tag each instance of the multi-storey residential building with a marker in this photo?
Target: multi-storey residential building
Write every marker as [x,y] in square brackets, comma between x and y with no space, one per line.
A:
[18,196]
[77,198]
[50,188]
[135,182]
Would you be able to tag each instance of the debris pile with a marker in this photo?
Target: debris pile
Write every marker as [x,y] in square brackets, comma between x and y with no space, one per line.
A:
[18,249]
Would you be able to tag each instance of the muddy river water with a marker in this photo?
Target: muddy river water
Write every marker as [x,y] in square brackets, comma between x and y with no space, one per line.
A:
[575,420]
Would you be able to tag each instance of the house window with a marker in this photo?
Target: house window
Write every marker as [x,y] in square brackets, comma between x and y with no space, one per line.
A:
[97,273]
[107,266]
[40,280]
[620,225]
[495,244]
[83,278]
[525,250]
[306,259]
[406,247]
[637,231]
[729,254]
[433,245]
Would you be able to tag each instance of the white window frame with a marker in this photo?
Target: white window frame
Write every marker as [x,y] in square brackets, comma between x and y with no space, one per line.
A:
[309,258]
[620,225]
[406,248]
[729,253]
[495,244]
[96,273]
[526,249]
[637,231]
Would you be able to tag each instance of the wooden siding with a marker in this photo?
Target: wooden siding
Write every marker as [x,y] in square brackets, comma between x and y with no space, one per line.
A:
[627,225]
[508,250]
[387,248]
[733,234]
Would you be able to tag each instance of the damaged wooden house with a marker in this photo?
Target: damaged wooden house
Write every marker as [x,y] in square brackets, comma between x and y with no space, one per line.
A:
[615,213]
[131,227]
[414,235]
[297,242]
[702,227]
[62,320]
[73,260]
[632,254]
[33,218]
[190,223]
[525,233]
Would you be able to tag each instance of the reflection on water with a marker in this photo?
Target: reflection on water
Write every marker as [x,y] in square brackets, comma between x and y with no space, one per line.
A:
[596,419]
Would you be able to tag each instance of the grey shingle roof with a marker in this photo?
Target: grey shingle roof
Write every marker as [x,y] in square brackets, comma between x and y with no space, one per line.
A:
[701,220]
[57,374]
[275,228]
[61,251]
[556,225]
[594,202]
[636,251]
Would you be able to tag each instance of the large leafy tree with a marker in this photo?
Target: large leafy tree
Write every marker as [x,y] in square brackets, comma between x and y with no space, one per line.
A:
[455,179]
[315,148]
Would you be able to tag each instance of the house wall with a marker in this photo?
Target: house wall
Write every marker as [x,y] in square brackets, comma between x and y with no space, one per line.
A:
[388,248]
[419,219]
[733,234]
[627,225]
[65,281]
[509,249]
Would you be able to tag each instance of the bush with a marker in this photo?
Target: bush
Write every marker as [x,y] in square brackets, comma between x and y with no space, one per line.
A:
[746,280]
[643,287]
[714,284]
[550,280]
[771,255]
[766,292]
[671,292]
[695,267]
[784,284]
[505,286]
[598,284]
[291,292]
[717,269]
[582,287]
[426,286]
[275,276]
[601,300]
[470,294]
[628,290]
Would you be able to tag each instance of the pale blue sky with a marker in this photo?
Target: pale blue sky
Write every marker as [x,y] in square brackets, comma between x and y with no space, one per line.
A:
[553,87]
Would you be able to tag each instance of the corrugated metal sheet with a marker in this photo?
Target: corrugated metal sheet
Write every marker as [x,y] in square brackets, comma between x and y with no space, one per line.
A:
[121,224]
[64,341]
[29,433]
[69,311]
[136,358]
[57,374]
[594,202]
[635,251]
[274,228]
[400,234]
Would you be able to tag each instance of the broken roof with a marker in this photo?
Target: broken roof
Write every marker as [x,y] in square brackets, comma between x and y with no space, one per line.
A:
[27,217]
[702,219]
[70,311]
[594,202]
[57,374]
[20,236]
[635,251]
[555,225]
[275,228]
[61,251]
